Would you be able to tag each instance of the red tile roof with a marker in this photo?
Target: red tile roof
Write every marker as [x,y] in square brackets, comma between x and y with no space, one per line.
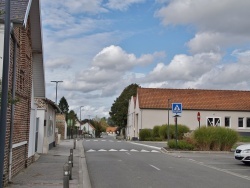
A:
[194,99]
[111,129]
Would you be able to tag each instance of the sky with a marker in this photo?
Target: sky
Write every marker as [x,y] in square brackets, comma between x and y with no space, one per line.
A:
[99,47]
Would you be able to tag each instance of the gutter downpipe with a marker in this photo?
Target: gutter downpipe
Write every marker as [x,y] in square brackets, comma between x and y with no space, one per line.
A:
[13,99]
[5,82]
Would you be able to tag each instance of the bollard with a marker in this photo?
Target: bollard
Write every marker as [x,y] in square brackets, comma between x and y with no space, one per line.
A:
[71,159]
[71,154]
[70,167]
[65,175]
[74,143]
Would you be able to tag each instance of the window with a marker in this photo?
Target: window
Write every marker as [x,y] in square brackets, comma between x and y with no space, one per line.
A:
[227,121]
[212,121]
[248,122]
[240,122]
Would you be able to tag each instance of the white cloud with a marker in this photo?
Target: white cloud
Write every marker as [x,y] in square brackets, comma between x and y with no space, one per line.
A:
[115,58]
[122,5]
[219,23]
[58,63]
[184,67]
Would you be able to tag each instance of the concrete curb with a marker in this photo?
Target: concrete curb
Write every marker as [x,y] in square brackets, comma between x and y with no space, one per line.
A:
[164,150]
[84,180]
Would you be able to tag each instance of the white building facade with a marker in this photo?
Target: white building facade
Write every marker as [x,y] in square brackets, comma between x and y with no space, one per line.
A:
[216,107]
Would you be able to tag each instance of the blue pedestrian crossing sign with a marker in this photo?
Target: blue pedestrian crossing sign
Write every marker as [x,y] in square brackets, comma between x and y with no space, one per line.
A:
[176,108]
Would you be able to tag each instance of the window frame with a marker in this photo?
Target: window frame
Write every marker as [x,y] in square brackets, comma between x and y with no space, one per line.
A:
[242,122]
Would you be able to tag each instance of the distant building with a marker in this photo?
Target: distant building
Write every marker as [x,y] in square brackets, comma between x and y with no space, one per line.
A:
[225,108]
[87,128]
[46,122]
[111,130]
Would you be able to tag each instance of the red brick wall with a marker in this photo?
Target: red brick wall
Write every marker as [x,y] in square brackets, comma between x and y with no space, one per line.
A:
[20,158]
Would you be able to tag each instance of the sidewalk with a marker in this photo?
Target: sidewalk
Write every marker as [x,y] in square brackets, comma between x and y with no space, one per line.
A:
[47,171]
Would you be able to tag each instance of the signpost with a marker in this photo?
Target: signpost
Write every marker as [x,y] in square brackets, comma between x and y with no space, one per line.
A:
[176,109]
[199,118]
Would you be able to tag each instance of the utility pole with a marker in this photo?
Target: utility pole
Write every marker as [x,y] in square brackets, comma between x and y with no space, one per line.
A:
[56,88]
[168,119]
[5,82]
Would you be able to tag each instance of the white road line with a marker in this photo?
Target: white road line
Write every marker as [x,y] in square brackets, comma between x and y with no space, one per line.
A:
[144,150]
[220,169]
[154,167]
[154,147]
[134,150]
[103,140]
[112,150]
[154,151]
[102,150]
[128,153]
[91,150]
[123,150]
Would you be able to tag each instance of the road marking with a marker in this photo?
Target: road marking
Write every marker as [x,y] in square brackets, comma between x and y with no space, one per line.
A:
[91,150]
[220,169]
[154,147]
[103,140]
[154,151]
[119,141]
[144,150]
[95,140]
[102,150]
[123,150]
[154,167]
[87,140]
[134,150]
[128,153]
[112,150]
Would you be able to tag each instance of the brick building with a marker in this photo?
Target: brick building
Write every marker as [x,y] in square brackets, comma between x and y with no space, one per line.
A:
[27,57]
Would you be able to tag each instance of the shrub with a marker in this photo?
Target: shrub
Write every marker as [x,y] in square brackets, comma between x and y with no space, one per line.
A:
[215,138]
[181,144]
[163,132]
[145,134]
[182,129]
[156,130]
[203,138]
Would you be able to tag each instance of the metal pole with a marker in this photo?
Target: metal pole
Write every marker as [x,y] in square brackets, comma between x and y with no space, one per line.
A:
[168,119]
[12,105]
[56,88]
[5,82]
[176,132]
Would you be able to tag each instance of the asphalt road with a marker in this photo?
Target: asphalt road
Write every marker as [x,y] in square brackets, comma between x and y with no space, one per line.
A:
[122,164]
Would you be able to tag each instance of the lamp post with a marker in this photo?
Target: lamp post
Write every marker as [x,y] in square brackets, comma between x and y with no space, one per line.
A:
[56,88]
[5,81]
[80,116]
[81,112]
[168,119]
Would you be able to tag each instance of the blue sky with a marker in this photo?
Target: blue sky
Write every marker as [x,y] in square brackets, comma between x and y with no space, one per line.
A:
[98,47]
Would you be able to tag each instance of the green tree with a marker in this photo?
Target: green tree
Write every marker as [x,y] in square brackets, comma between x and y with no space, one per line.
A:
[63,105]
[98,127]
[119,108]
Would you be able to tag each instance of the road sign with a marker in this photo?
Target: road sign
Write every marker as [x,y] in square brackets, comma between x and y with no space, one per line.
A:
[176,108]
[198,116]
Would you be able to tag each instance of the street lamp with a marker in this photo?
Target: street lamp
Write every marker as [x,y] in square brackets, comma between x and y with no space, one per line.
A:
[56,88]
[168,119]
[81,112]
[5,81]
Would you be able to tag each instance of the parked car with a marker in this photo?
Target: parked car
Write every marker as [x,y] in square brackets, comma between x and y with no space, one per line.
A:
[242,153]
